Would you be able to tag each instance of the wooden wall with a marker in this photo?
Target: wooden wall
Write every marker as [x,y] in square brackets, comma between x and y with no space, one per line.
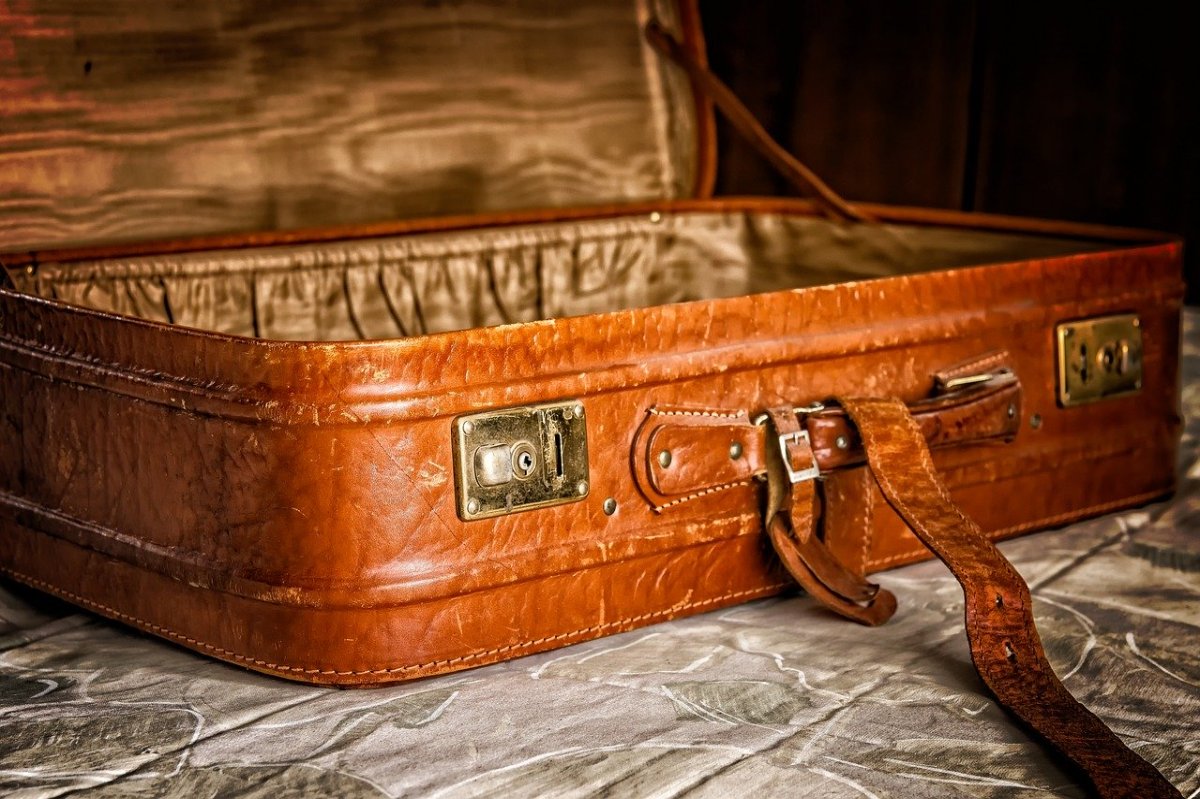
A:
[1065,109]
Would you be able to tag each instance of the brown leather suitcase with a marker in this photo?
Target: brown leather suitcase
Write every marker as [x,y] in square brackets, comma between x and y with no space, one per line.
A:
[564,396]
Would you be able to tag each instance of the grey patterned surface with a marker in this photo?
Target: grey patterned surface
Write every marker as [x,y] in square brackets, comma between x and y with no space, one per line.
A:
[770,698]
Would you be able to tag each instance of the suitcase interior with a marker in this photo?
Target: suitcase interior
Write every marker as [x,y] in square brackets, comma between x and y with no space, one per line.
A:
[392,287]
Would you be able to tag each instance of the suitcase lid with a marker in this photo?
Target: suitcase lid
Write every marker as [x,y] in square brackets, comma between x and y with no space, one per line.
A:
[134,120]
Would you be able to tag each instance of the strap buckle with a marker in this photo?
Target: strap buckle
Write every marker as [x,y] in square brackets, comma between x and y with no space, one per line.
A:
[946,385]
[796,437]
[797,475]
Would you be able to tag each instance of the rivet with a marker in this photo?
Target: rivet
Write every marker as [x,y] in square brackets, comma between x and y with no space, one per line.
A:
[841,443]
[1012,410]
[472,506]
[1138,384]
[1035,421]
[567,414]
[579,411]
[1070,331]
[664,458]
[610,506]
[735,450]
[655,217]
[1136,322]
[468,427]
[29,270]
[582,487]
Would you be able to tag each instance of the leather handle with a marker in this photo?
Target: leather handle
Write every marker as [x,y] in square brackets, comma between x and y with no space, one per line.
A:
[681,455]
[790,519]
[795,171]
[1003,638]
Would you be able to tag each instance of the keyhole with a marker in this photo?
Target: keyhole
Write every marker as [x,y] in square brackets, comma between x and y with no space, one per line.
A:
[524,461]
[1106,358]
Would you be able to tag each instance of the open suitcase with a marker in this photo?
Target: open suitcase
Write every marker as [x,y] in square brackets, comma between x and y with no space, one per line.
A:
[565,395]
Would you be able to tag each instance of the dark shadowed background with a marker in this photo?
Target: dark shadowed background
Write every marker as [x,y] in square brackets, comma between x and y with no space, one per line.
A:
[1070,110]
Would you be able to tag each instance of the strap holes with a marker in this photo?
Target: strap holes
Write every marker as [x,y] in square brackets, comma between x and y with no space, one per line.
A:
[999,601]
[1009,652]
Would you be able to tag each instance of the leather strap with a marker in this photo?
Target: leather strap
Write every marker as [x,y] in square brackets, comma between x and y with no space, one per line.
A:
[710,451]
[1004,642]
[708,84]
[790,521]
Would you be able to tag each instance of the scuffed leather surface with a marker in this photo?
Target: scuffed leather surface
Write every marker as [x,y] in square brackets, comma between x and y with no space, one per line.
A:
[432,283]
[760,698]
[290,506]
[128,120]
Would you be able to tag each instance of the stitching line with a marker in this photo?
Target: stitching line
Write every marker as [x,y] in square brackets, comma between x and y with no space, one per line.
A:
[868,522]
[462,659]
[980,363]
[703,492]
[719,414]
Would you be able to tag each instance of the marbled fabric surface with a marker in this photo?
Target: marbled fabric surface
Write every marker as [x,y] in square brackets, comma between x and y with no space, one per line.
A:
[768,699]
[135,120]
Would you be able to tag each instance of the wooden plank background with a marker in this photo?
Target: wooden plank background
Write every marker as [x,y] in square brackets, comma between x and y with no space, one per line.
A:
[1064,109]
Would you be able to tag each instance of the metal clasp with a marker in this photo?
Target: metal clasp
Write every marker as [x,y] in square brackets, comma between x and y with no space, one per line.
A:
[796,437]
[518,459]
[797,475]
[1099,358]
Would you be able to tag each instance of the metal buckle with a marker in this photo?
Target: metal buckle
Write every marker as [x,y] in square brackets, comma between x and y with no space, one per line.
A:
[797,475]
[966,381]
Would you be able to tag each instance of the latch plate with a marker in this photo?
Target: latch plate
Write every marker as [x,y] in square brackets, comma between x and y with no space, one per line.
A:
[1099,358]
[519,459]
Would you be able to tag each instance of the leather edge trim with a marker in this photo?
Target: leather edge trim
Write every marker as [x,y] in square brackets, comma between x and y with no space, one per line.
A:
[478,658]
[192,567]
[242,402]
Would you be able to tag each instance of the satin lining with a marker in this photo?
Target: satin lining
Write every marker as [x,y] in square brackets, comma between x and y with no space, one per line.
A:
[412,285]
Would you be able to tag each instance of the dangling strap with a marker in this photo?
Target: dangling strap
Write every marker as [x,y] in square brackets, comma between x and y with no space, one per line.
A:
[745,124]
[999,614]
[714,452]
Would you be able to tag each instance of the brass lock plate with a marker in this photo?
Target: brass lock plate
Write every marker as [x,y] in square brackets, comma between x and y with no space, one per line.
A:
[519,459]
[1099,358]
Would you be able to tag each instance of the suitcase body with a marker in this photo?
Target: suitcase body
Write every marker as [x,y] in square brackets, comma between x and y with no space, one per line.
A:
[303,452]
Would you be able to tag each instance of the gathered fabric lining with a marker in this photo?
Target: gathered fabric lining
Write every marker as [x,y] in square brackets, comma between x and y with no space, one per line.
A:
[412,285]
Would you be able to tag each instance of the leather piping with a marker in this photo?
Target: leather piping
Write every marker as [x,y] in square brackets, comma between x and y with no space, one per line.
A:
[463,661]
[390,402]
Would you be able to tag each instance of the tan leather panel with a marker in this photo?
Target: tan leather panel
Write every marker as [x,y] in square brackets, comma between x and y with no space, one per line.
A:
[218,490]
